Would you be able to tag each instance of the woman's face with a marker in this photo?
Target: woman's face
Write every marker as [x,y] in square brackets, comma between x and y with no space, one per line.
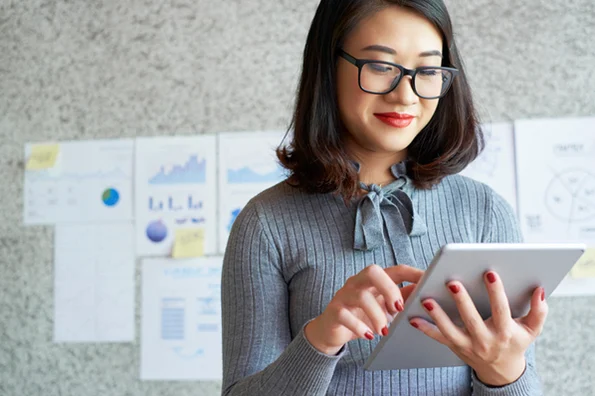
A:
[408,40]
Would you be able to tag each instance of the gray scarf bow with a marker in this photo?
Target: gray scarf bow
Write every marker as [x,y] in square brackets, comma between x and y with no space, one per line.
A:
[390,206]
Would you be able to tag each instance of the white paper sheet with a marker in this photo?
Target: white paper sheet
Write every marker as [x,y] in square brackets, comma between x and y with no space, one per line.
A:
[556,179]
[94,283]
[495,166]
[181,319]
[575,287]
[556,185]
[90,182]
[247,166]
[176,187]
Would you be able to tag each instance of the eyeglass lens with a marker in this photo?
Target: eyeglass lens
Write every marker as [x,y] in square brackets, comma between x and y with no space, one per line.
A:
[382,78]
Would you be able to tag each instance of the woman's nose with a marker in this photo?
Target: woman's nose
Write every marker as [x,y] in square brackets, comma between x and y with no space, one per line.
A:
[403,92]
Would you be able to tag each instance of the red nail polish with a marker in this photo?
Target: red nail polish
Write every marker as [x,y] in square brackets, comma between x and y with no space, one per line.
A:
[369,335]
[385,331]
[414,325]
[491,277]
[542,294]
[428,306]
[399,306]
[454,289]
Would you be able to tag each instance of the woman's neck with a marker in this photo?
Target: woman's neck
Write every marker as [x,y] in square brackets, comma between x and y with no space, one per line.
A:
[379,174]
[375,168]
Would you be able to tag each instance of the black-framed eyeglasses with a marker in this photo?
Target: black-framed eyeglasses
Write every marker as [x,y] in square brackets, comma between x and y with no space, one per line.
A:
[380,78]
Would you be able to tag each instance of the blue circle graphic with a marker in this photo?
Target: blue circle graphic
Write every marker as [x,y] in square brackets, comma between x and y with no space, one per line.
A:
[156,231]
[110,197]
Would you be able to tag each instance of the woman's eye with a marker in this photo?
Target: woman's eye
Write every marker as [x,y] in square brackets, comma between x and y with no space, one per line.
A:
[380,68]
[430,72]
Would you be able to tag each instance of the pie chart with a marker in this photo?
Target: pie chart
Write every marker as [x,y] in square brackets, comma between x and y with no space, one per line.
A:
[110,197]
[570,196]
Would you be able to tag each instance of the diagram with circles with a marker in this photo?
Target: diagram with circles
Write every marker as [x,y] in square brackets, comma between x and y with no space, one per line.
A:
[570,196]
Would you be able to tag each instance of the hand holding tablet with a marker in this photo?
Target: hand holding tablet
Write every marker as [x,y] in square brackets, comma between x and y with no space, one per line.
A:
[480,300]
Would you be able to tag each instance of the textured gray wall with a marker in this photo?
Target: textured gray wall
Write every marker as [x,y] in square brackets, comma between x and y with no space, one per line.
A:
[75,69]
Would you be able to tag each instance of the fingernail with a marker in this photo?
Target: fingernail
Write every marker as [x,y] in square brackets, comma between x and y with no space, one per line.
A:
[399,306]
[542,294]
[491,277]
[414,325]
[385,331]
[369,335]
[428,306]
[454,289]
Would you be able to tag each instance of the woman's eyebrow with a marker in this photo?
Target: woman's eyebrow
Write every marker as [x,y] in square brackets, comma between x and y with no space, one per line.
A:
[431,53]
[390,51]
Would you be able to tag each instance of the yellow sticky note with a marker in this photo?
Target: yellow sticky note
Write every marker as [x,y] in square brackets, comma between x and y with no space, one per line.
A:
[585,267]
[189,242]
[43,156]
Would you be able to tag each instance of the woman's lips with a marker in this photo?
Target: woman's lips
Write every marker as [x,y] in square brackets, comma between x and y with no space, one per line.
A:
[395,119]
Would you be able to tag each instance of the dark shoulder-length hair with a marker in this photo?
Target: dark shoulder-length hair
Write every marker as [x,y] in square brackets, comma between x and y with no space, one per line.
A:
[315,155]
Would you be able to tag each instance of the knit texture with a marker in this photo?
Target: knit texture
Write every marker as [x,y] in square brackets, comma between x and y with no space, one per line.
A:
[289,252]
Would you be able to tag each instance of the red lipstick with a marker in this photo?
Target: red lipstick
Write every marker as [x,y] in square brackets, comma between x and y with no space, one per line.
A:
[397,120]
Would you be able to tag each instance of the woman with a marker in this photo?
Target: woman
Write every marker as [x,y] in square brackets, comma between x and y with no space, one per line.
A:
[312,272]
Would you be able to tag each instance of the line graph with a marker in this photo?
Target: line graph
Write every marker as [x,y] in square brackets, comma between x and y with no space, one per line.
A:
[192,171]
[248,175]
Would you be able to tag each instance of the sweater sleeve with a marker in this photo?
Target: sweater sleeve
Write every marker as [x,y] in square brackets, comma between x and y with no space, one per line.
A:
[503,227]
[259,355]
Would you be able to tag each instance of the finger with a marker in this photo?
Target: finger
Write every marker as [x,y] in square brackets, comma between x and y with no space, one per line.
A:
[501,315]
[472,320]
[379,279]
[535,319]
[453,333]
[363,299]
[347,319]
[389,316]
[430,330]
[404,273]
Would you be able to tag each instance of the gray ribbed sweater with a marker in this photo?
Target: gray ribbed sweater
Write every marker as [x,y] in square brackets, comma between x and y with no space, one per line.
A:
[289,252]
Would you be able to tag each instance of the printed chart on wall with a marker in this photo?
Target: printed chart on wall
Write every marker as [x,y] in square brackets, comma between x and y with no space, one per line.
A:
[495,166]
[181,319]
[556,181]
[175,190]
[247,166]
[83,181]
[94,283]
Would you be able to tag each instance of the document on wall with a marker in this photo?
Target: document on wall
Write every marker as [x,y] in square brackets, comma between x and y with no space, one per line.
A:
[247,165]
[176,189]
[495,166]
[556,178]
[571,287]
[94,283]
[78,181]
[556,183]
[181,319]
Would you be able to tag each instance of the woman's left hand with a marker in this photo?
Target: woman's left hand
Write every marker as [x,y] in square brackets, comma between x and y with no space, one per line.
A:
[494,348]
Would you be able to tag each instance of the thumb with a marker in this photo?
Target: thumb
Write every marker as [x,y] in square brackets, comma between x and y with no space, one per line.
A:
[404,273]
[535,319]
[407,290]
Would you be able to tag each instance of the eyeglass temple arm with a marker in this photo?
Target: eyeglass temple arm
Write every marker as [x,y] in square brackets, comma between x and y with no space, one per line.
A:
[348,57]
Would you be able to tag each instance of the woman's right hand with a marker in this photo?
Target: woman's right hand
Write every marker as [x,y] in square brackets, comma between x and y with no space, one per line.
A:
[362,307]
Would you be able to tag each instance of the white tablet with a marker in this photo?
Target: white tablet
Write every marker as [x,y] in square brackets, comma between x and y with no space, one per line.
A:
[522,268]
